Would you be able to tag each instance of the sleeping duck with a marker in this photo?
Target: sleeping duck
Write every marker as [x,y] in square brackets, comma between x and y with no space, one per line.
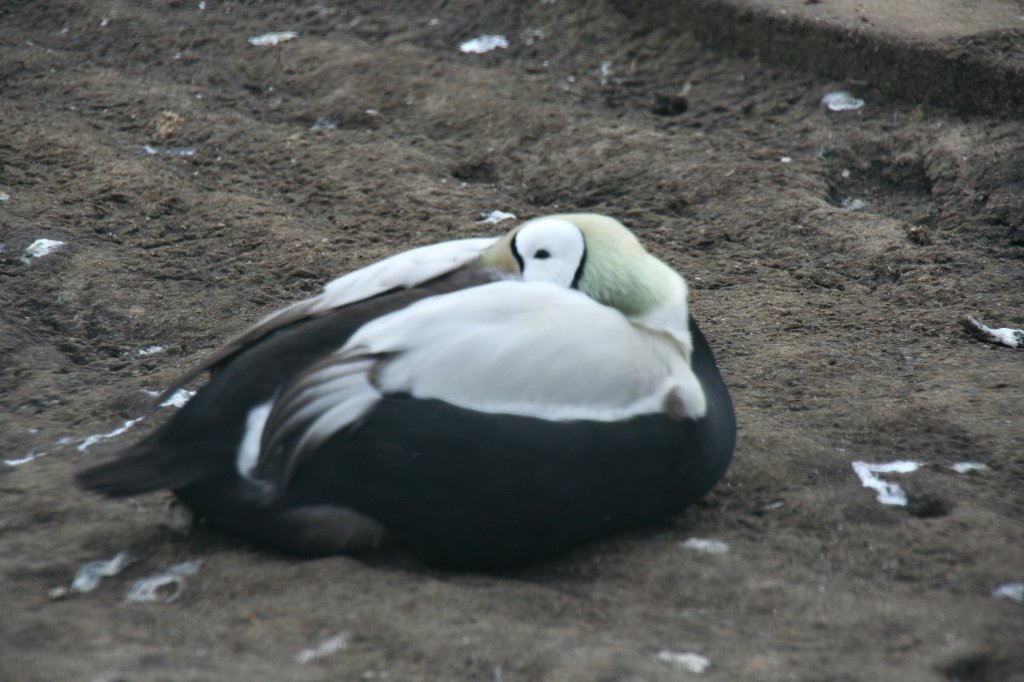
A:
[483,402]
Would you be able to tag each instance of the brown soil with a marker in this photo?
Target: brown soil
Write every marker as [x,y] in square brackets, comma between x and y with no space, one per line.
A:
[836,329]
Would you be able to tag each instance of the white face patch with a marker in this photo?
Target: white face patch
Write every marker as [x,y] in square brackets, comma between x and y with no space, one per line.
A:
[549,250]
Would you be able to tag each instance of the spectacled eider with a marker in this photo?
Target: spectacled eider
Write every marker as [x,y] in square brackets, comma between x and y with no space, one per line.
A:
[486,402]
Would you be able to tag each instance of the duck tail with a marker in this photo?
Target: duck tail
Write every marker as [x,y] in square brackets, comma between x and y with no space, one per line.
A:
[147,467]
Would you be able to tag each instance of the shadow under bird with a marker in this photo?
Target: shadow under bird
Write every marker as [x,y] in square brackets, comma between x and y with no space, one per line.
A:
[484,402]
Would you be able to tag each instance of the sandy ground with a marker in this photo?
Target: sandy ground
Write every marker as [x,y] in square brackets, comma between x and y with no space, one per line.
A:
[830,256]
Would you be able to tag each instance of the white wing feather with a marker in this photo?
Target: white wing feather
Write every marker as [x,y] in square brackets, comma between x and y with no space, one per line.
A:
[403,270]
[527,348]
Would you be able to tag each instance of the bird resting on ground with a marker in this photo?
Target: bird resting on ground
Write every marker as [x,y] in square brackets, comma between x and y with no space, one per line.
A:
[485,402]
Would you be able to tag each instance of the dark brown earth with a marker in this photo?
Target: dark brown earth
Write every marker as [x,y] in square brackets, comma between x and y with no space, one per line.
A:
[837,330]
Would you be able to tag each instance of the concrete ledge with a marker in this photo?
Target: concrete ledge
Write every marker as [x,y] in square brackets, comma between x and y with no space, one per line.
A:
[934,52]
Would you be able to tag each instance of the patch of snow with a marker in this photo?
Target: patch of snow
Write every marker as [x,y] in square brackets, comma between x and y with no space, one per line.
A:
[178,398]
[273,38]
[96,438]
[706,545]
[968,467]
[851,204]
[689,661]
[41,247]
[325,648]
[841,100]
[324,123]
[484,43]
[4,196]
[89,576]
[888,493]
[25,459]
[1014,338]
[175,577]
[168,151]
[495,216]
[150,350]
[1014,591]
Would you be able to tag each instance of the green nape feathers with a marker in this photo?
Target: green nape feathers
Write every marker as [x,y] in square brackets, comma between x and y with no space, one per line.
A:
[617,271]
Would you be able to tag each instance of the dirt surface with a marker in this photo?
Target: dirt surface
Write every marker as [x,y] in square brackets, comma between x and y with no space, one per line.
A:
[830,256]
[967,57]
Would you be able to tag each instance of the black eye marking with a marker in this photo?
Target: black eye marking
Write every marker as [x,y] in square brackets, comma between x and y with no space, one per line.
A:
[542,254]
[515,252]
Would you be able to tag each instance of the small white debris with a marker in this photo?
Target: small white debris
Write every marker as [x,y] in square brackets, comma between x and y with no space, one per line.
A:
[57,593]
[201,5]
[168,151]
[272,39]
[154,588]
[851,204]
[845,173]
[178,398]
[841,100]
[96,438]
[324,123]
[325,648]
[89,576]
[41,247]
[4,196]
[689,661]
[785,159]
[606,71]
[483,44]
[104,21]
[150,350]
[968,467]
[888,493]
[1014,591]
[495,216]
[1014,338]
[531,35]
[25,459]
[706,545]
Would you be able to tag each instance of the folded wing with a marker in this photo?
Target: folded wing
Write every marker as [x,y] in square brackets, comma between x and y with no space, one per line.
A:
[527,349]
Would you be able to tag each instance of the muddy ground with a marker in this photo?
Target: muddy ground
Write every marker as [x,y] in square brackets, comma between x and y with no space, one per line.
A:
[830,256]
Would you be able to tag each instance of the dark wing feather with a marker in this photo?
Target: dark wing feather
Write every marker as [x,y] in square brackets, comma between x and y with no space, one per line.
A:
[201,440]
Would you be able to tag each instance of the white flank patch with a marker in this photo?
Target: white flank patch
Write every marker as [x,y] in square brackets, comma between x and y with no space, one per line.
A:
[1013,591]
[689,661]
[178,398]
[150,350]
[968,467]
[89,576]
[708,546]
[41,247]
[154,588]
[249,448]
[483,44]
[325,648]
[888,493]
[495,216]
[841,101]
[273,38]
